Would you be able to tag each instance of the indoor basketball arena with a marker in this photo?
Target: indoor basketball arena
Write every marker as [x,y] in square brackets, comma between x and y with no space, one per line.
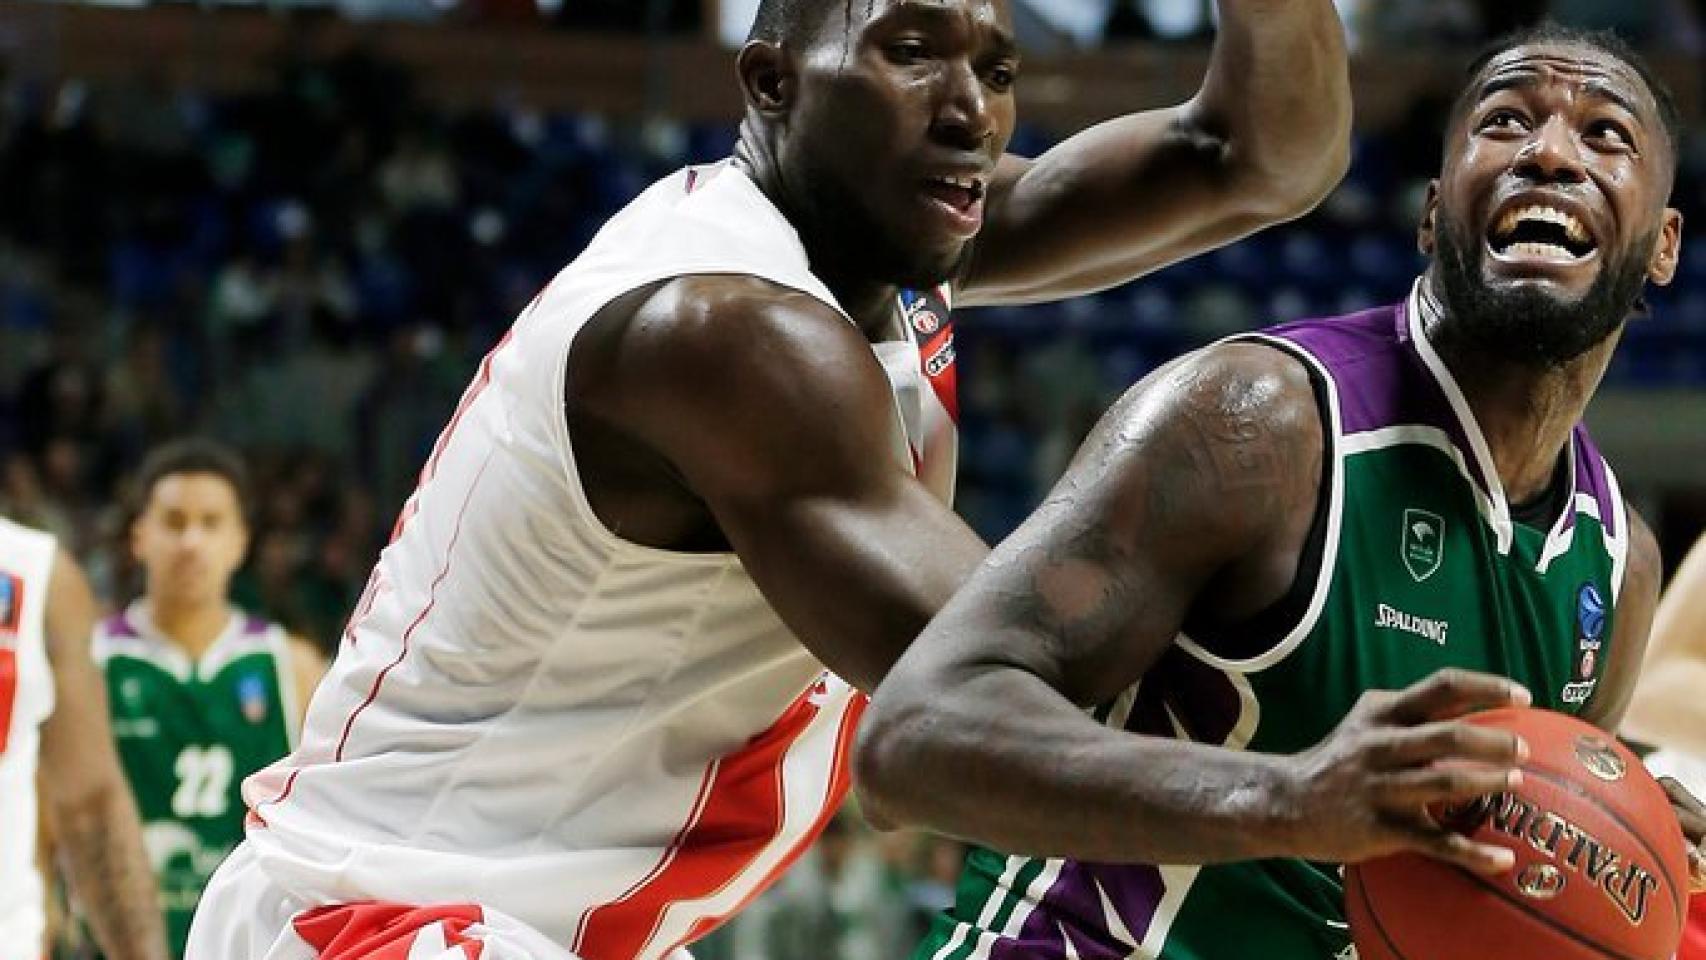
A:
[446,513]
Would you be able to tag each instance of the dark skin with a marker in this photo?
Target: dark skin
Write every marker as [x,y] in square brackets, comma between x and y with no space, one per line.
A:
[1192,499]
[675,390]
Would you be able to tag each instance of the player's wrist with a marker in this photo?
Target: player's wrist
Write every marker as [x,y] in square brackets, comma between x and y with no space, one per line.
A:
[1271,806]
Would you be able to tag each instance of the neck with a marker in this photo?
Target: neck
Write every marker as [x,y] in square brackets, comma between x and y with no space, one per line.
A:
[868,302]
[1525,412]
[192,625]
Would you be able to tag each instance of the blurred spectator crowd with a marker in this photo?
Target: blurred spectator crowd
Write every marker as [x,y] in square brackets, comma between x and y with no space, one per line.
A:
[312,271]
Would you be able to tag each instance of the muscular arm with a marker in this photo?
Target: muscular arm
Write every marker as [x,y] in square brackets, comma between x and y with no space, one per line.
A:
[1264,139]
[1629,637]
[980,729]
[85,795]
[1667,708]
[773,412]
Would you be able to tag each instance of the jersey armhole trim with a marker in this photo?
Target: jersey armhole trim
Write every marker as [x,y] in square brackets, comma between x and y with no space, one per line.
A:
[1333,461]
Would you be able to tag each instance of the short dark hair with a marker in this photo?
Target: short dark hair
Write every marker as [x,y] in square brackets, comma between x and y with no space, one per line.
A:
[793,21]
[191,455]
[1551,33]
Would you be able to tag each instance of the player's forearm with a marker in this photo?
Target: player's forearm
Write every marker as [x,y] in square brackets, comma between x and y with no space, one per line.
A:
[1277,94]
[110,873]
[1002,760]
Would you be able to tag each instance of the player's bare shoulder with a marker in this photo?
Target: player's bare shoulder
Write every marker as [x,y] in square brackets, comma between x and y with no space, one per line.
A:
[1235,426]
[699,330]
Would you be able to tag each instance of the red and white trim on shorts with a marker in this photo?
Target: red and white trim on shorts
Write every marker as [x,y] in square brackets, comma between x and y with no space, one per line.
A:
[390,931]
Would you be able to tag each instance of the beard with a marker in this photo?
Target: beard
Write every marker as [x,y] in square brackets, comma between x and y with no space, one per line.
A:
[1524,324]
[846,242]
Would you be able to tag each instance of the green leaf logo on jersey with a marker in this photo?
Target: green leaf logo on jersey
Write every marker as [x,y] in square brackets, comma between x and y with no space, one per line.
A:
[1424,543]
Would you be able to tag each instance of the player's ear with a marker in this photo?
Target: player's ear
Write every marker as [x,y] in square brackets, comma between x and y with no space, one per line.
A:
[766,77]
[1430,210]
[1668,250]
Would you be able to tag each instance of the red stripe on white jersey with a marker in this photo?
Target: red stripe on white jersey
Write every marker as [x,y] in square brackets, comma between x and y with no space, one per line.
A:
[482,380]
[420,618]
[739,813]
[841,779]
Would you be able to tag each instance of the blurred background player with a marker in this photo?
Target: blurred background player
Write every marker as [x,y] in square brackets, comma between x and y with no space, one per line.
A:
[1669,708]
[53,735]
[202,693]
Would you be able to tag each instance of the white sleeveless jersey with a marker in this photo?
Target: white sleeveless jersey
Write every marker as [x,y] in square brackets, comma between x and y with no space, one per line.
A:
[617,745]
[26,699]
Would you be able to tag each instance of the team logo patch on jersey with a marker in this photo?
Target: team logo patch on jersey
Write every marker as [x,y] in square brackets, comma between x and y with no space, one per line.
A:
[252,698]
[11,604]
[1423,543]
[1590,612]
[1590,627]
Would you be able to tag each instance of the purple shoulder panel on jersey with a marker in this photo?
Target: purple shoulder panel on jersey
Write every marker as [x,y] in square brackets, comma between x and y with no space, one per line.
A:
[119,625]
[1380,378]
[1592,480]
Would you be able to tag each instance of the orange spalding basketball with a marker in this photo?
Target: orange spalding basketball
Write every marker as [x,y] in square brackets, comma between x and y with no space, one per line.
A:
[1601,869]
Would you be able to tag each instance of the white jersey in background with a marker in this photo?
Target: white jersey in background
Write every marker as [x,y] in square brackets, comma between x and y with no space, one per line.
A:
[26,699]
[617,746]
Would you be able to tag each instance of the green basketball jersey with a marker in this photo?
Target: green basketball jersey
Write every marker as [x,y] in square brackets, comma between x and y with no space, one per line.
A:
[188,733]
[1415,563]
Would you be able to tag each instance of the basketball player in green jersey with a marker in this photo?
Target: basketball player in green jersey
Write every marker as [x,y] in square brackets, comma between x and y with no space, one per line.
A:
[202,694]
[1175,678]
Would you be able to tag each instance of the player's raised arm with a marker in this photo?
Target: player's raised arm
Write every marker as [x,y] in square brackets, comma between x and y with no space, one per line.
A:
[85,794]
[772,411]
[1263,140]
[1185,497]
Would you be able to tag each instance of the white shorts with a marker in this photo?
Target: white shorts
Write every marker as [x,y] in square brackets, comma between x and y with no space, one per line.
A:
[245,916]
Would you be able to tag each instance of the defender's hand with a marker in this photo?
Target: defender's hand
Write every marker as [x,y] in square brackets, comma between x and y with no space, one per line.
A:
[1691,813]
[1364,791]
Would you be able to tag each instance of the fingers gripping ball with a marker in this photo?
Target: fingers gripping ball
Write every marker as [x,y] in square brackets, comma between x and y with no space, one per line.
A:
[1601,870]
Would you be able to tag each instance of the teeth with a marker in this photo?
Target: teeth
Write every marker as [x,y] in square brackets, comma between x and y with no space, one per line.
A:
[1572,227]
[964,183]
[1541,250]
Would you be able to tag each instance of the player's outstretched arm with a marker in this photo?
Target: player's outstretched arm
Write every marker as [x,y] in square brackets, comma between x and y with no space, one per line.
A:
[85,795]
[1668,709]
[774,413]
[1264,140]
[1178,501]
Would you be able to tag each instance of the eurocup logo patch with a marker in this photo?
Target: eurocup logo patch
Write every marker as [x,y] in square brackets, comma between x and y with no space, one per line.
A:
[1590,628]
[1590,612]
[11,604]
[252,698]
[1423,543]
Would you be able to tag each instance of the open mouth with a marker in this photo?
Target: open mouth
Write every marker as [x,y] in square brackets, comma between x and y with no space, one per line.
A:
[959,193]
[1541,231]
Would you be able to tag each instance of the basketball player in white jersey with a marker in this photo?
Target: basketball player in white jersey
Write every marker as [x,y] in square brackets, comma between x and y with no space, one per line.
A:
[53,720]
[581,709]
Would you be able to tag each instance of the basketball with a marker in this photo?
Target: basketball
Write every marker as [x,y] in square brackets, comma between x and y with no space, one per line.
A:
[1600,869]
